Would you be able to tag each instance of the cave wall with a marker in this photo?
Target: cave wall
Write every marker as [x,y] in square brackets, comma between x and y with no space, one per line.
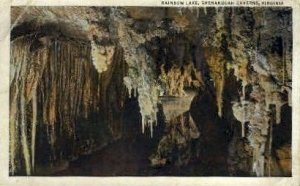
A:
[246,61]
[59,104]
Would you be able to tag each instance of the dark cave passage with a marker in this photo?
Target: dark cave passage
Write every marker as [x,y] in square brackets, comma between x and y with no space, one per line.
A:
[129,155]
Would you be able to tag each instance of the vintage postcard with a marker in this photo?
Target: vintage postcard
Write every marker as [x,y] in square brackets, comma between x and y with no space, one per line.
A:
[201,92]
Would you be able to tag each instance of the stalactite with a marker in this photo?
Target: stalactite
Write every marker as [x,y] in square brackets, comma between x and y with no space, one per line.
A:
[241,74]
[76,81]
[191,9]
[270,148]
[216,60]
[243,98]
[243,111]
[63,107]
[39,59]
[220,88]
[24,140]
[288,91]
[13,143]
[243,123]
[175,80]
[141,76]
[266,94]
[20,63]
[101,56]
[33,130]
[17,56]
[45,73]
[216,63]
[179,10]
[278,113]
[257,116]
[283,61]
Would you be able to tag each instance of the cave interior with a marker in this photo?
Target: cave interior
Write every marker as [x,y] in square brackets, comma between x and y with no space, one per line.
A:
[150,91]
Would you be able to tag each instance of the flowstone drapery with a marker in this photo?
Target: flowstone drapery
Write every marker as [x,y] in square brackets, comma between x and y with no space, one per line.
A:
[141,77]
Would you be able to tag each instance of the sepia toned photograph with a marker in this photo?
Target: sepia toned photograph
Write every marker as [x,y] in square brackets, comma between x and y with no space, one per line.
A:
[150,91]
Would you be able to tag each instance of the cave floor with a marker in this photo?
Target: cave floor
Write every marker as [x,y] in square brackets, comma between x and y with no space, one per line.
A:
[126,157]
[129,157]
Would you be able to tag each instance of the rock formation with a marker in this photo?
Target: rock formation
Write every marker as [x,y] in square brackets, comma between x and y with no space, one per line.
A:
[73,68]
